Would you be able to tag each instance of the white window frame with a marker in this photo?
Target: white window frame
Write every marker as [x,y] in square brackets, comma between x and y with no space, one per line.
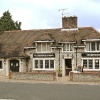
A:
[88,45]
[68,47]
[42,48]
[43,64]
[93,69]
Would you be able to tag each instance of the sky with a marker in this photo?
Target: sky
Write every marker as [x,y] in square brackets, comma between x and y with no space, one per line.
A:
[47,14]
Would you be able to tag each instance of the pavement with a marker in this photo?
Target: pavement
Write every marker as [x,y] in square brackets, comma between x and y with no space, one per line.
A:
[60,80]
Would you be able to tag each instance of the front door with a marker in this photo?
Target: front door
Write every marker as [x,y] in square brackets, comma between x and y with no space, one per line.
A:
[68,66]
[14,65]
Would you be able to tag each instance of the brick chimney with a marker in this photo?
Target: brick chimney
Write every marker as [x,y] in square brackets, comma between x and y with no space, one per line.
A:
[69,22]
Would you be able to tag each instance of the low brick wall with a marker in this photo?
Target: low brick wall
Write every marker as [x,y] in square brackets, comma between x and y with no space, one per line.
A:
[43,76]
[85,76]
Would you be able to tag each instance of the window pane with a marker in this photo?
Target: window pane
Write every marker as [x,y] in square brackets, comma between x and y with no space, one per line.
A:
[71,47]
[11,64]
[0,64]
[98,46]
[39,47]
[64,47]
[51,63]
[85,64]
[41,63]
[17,64]
[46,63]
[36,63]
[44,47]
[97,64]
[88,46]
[48,47]
[93,46]
[67,45]
[90,64]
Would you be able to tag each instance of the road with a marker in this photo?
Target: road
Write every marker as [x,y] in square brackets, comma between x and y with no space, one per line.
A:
[44,91]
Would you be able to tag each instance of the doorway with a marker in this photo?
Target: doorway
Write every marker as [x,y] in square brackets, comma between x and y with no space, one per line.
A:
[14,65]
[68,66]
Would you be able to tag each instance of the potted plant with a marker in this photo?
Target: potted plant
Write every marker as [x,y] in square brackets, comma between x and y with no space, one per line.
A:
[59,72]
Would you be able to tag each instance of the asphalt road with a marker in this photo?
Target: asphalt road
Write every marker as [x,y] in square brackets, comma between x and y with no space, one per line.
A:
[43,91]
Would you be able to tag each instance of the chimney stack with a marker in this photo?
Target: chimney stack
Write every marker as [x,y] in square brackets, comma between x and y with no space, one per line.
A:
[69,22]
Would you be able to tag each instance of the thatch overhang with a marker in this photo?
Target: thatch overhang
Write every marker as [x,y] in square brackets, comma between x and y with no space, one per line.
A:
[13,43]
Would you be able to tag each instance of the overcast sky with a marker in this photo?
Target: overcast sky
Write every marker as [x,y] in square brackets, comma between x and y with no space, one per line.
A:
[43,14]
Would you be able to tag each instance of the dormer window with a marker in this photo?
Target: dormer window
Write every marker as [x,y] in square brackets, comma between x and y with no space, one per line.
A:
[67,47]
[92,46]
[43,47]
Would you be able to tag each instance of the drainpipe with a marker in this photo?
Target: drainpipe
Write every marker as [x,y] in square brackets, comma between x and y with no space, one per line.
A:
[59,59]
[76,56]
[58,47]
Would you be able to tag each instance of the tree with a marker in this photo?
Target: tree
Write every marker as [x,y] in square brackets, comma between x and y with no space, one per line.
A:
[7,23]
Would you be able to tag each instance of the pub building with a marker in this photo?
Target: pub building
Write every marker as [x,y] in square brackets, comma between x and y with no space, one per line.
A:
[62,49]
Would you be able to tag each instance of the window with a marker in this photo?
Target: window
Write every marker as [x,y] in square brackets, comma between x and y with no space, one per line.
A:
[41,63]
[38,63]
[51,63]
[96,64]
[91,63]
[98,46]
[39,47]
[44,64]
[67,47]
[93,46]
[1,65]
[43,47]
[85,64]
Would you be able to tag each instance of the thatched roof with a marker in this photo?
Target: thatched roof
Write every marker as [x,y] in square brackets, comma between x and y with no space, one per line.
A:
[12,43]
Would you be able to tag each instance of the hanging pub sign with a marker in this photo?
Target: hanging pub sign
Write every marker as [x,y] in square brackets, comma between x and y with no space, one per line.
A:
[95,54]
[43,55]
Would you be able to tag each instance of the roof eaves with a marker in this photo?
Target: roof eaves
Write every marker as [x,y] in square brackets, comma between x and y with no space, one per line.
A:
[91,40]
[68,42]
[43,41]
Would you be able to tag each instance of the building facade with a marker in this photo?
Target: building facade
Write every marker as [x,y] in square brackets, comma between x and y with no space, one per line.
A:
[62,49]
